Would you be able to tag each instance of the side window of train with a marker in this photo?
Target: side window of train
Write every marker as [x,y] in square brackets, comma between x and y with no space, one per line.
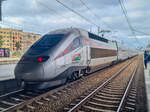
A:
[76,43]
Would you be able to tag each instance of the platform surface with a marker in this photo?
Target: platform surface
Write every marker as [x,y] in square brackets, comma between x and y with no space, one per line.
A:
[7,72]
[8,59]
[147,83]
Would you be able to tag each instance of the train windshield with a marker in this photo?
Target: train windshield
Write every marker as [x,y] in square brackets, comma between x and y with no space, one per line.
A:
[47,42]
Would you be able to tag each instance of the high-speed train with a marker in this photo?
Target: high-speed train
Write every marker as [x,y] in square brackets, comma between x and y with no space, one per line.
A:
[66,54]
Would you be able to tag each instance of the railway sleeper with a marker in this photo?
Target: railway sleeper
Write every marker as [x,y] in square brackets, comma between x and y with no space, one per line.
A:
[85,108]
[101,106]
[66,109]
[112,91]
[39,102]
[114,85]
[110,95]
[107,97]
[45,99]
[7,103]
[3,105]
[12,101]
[58,93]
[29,107]
[54,97]
[19,110]
[131,100]
[101,101]
[25,96]
[1,108]
[22,98]
[131,104]
[129,109]
[132,94]
[116,88]
[72,104]
[17,99]
[132,97]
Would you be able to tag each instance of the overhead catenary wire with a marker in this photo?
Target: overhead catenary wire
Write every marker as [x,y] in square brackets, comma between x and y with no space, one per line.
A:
[134,28]
[53,11]
[141,32]
[58,14]
[86,19]
[127,19]
[96,16]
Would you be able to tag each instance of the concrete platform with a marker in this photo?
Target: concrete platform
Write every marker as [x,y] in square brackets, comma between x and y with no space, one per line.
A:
[4,61]
[8,59]
[147,83]
[7,71]
[7,79]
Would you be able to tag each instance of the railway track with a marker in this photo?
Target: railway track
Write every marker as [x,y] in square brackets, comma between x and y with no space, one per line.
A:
[12,99]
[110,96]
[21,98]
[28,100]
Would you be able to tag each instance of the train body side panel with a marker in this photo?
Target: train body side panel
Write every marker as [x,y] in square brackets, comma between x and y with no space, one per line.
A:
[98,61]
[101,54]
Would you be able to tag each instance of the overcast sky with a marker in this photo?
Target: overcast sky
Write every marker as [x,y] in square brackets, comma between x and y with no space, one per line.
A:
[45,15]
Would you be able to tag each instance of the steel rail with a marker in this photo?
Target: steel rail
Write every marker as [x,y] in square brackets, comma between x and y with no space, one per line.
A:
[127,90]
[23,103]
[11,93]
[102,85]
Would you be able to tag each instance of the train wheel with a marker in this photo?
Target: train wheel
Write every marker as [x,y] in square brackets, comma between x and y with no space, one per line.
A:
[71,78]
[88,70]
[23,84]
[81,73]
[75,76]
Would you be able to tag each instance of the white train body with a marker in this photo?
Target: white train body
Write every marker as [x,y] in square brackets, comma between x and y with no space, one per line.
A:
[73,52]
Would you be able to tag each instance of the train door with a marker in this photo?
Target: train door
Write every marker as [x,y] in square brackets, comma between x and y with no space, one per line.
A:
[88,58]
[77,52]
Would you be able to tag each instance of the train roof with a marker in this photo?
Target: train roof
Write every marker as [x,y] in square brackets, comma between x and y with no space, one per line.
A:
[69,30]
[65,30]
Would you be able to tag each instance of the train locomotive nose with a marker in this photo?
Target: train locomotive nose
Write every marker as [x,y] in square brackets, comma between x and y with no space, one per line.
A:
[29,71]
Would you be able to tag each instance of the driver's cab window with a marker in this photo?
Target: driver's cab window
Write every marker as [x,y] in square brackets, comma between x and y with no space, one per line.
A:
[76,43]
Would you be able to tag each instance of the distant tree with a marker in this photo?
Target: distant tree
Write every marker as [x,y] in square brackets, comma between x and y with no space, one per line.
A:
[17,45]
[1,41]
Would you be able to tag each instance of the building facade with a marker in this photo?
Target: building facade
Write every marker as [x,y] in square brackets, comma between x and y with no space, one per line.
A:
[17,40]
[29,39]
[16,36]
[6,38]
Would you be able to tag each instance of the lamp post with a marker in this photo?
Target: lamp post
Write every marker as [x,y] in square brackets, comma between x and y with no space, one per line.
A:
[1,9]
